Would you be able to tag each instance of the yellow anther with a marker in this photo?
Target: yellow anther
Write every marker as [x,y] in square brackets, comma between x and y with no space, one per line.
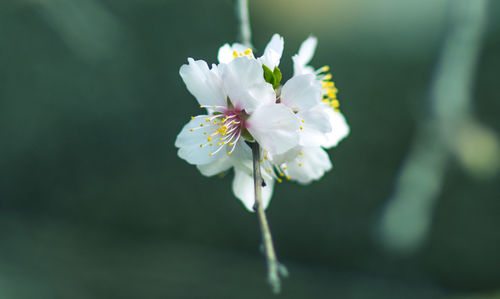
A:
[284,167]
[201,125]
[303,121]
[201,145]
[207,120]
[235,54]
[211,144]
[230,144]
[204,133]
[210,154]
[209,139]
[215,122]
[280,180]
[261,160]
[336,110]
[282,174]
[335,103]
[229,153]
[192,117]
[265,157]
[214,106]
[300,164]
[331,94]
[301,128]
[328,77]
[301,153]
[234,121]
[191,130]
[326,68]
[223,142]
[218,143]
[248,51]
[288,177]
[328,84]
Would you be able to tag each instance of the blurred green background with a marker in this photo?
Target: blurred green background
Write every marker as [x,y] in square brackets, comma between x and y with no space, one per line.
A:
[95,203]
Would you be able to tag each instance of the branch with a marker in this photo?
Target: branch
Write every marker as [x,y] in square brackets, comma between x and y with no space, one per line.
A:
[450,129]
[244,19]
[274,269]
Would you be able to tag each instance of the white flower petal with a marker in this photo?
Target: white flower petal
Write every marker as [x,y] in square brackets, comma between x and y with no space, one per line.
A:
[241,157]
[301,92]
[191,137]
[307,49]
[274,127]
[244,82]
[316,125]
[299,68]
[340,128]
[273,52]
[217,166]
[310,165]
[202,83]
[287,156]
[243,188]
[225,54]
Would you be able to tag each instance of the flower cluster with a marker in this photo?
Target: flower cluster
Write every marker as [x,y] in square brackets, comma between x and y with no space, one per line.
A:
[245,102]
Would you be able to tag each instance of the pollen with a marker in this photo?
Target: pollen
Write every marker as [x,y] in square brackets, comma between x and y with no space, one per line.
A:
[302,128]
[300,164]
[301,153]
[303,121]
[288,177]
[229,153]
[280,180]
[192,117]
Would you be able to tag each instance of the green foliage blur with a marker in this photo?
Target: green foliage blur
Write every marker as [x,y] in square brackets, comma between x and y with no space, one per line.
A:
[95,203]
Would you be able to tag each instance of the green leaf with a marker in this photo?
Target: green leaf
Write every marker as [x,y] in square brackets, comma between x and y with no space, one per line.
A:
[246,135]
[268,75]
[277,77]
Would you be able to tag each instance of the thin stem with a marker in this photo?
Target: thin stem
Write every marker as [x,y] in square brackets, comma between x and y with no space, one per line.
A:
[274,269]
[244,19]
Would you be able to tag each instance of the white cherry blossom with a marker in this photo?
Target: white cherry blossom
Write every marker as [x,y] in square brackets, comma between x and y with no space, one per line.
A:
[292,123]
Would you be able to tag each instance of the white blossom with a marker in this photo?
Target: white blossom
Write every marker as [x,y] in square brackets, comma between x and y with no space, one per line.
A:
[291,123]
